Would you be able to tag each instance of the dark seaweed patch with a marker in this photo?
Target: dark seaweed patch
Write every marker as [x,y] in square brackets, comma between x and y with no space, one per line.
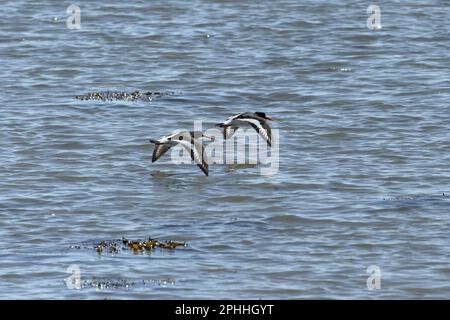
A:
[135,246]
[124,96]
[106,283]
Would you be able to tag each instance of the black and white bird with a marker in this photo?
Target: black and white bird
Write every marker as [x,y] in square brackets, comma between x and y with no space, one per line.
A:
[256,120]
[189,140]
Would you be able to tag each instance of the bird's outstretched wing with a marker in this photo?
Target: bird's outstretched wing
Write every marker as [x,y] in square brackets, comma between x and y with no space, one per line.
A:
[228,131]
[197,153]
[261,127]
[160,149]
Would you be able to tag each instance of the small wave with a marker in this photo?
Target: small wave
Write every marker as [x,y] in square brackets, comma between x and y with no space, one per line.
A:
[414,197]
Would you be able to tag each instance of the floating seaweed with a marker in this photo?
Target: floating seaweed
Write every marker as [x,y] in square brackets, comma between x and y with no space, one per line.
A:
[136,246]
[123,283]
[124,96]
[151,244]
[110,246]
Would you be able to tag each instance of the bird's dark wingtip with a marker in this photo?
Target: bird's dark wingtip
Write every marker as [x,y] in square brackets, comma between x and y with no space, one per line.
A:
[204,169]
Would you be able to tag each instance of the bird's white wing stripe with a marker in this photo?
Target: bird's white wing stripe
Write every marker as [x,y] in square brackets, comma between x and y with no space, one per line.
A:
[230,119]
[235,116]
[170,136]
[194,149]
[262,131]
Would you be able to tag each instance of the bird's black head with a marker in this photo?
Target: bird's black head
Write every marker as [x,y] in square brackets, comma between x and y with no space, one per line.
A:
[263,115]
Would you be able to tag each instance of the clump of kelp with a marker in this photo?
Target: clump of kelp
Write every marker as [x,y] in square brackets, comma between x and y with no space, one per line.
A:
[136,246]
[124,96]
[105,283]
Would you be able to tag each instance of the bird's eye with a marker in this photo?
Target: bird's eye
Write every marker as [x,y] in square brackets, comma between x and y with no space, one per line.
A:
[169,139]
[181,138]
